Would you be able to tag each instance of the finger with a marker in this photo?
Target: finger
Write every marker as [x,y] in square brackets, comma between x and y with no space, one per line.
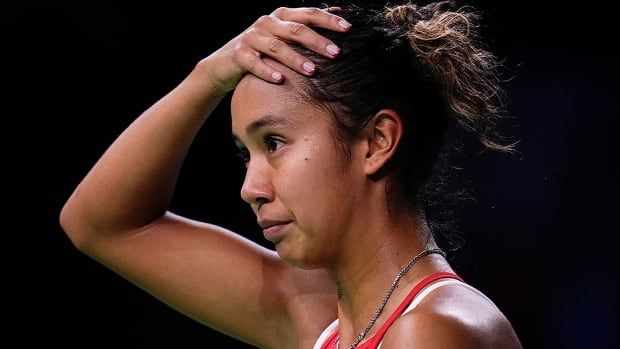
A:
[293,31]
[305,36]
[313,16]
[254,64]
[282,52]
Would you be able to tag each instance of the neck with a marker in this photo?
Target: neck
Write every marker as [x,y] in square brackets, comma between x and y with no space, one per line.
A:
[377,252]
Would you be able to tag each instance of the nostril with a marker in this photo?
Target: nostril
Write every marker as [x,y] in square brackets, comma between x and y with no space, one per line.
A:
[260,201]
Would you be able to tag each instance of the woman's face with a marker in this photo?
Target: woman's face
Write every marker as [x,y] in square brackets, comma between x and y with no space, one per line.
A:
[302,193]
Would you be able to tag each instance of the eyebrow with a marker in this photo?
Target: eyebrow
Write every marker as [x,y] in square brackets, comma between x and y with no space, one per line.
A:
[268,120]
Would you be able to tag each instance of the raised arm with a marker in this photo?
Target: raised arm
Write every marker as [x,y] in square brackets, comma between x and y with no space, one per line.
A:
[118,213]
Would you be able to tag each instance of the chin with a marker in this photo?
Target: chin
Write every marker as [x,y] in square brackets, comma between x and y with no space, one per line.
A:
[299,259]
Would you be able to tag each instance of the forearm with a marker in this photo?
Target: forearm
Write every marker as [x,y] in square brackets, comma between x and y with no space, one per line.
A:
[133,182]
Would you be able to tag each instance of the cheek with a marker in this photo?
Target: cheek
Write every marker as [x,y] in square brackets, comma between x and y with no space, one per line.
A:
[317,170]
[313,186]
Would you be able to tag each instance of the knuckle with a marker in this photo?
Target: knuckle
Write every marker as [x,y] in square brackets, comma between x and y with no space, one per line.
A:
[319,43]
[311,10]
[252,61]
[274,45]
[263,20]
[296,28]
[279,11]
[236,53]
[248,34]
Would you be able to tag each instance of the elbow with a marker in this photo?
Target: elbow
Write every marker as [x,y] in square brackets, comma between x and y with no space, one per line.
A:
[73,226]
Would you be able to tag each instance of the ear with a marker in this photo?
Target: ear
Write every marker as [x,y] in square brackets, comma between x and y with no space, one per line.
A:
[383,135]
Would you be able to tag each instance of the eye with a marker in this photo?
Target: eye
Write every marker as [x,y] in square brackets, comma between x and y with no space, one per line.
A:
[272,143]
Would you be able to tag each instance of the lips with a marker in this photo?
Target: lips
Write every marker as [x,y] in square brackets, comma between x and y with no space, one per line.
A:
[268,223]
[272,229]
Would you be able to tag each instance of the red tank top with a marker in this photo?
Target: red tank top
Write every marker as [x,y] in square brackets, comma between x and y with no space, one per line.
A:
[374,341]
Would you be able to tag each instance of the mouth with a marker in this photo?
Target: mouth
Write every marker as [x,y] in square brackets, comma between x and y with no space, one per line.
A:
[268,223]
[274,232]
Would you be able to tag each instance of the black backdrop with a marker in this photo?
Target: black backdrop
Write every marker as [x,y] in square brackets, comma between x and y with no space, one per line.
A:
[539,241]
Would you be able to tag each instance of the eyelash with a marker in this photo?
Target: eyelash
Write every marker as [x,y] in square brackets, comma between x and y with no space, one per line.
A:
[269,140]
[244,155]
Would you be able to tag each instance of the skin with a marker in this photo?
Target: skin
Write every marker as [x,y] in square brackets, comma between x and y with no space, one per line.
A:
[291,175]
[338,250]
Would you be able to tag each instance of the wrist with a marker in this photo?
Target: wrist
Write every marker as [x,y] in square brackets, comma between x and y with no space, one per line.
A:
[206,71]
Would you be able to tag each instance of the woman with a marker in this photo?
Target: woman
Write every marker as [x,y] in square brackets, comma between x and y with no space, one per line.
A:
[340,116]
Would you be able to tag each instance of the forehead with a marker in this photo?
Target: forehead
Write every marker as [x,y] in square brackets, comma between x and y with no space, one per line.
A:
[254,98]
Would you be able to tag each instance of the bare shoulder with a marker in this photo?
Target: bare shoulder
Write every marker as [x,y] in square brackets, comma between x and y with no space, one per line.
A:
[453,316]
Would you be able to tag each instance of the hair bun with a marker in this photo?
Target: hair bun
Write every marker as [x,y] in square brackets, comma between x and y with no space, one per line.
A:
[407,15]
[403,15]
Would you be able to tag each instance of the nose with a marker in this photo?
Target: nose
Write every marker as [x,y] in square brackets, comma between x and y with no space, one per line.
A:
[256,189]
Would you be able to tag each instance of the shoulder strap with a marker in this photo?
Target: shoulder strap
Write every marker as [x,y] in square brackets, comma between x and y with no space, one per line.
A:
[330,336]
[376,339]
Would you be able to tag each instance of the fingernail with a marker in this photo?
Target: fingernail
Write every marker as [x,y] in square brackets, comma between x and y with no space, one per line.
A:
[332,49]
[277,76]
[309,67]
[344,24]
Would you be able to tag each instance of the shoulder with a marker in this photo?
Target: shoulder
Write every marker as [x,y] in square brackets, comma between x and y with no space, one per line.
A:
[453,316]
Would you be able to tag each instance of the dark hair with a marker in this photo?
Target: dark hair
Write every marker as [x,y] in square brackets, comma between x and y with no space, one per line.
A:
[428,64]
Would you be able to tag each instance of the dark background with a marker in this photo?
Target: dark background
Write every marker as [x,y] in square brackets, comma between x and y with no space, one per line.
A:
[540,240]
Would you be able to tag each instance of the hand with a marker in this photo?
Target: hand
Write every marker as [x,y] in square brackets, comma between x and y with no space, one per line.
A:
[269,36]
